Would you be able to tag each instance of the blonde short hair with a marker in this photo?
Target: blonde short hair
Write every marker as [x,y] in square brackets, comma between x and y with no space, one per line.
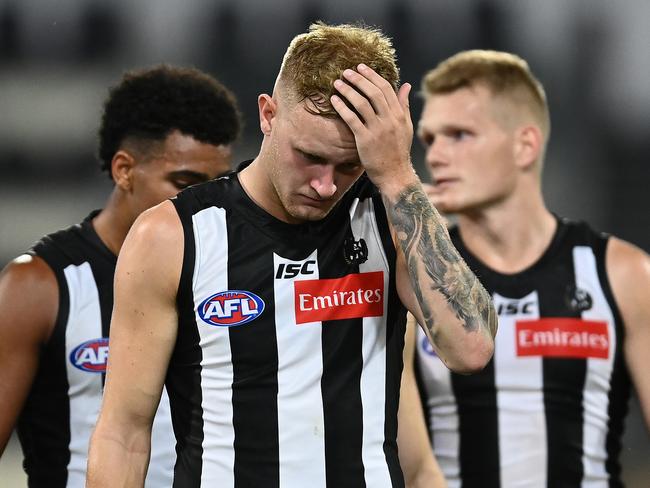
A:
[504,74]
[315,59]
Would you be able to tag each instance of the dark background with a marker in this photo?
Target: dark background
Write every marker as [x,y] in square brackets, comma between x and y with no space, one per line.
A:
[58,57]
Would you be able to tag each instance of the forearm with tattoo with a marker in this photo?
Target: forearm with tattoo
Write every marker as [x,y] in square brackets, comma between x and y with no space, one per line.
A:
[435,265]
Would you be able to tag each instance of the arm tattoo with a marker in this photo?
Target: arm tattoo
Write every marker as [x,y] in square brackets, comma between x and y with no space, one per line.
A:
[435,265]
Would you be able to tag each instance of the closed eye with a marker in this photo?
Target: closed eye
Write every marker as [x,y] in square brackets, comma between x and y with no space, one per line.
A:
[313,158]
[183,178]
[348,168]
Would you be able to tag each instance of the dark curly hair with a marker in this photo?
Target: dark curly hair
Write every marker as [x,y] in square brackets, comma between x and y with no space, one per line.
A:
[149,104]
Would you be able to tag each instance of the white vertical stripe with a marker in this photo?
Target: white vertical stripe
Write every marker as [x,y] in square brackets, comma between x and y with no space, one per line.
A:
[441,409]
[300,400]
[520,399]
[85,388]
[210,277]
[373,375]
[595,399]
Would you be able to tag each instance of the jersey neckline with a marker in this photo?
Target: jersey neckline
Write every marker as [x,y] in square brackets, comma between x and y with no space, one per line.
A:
[89,233]
[484,270]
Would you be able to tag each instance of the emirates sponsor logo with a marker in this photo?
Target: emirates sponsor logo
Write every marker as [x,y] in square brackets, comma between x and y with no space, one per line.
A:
[563,338]
[352,296]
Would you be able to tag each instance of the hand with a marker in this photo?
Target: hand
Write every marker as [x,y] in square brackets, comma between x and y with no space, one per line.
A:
[384,132]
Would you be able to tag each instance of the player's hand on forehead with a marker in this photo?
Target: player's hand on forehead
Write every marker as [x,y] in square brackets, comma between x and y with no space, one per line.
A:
[384,131]
[365,89]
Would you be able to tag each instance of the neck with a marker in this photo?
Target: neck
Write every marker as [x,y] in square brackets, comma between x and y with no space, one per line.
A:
[511,236]
[113,222]
[257,185]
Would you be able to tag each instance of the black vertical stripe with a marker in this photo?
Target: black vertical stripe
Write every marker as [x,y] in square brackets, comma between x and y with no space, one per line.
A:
[44,424]
[183,381]
[563,380]
[342,408]
[395,330]
[618,397]
[620,385]
[342,342]
[478,419]
[476,401]
[254,352]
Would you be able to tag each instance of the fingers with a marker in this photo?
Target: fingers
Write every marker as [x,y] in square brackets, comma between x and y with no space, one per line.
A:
[356,99]
[382,84]
[365,90]
[403,97]
[349,117]
[368,89]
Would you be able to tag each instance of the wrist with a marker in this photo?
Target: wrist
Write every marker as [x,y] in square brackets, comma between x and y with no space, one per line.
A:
[393,185]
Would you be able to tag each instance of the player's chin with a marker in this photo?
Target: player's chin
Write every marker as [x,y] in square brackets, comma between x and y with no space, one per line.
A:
[445,206]
[309,213]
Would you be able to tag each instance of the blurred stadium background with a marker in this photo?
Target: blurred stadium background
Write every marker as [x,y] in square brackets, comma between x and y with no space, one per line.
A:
[58,57]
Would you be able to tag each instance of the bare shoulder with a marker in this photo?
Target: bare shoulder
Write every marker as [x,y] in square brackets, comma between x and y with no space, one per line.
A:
[628,266]
[153,249]
[159,226]
[628,269]
[29,298]
[157,232]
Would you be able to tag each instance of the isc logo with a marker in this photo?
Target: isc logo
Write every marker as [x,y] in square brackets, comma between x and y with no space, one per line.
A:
[516,308]
[291,270]
[91,356]
[229,308]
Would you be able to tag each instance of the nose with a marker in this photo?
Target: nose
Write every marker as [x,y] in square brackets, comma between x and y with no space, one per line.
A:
[323,182]
[435,155]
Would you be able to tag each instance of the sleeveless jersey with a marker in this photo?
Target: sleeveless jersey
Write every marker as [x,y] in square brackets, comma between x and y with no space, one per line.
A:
[287,366]
[61,410]
[548,409]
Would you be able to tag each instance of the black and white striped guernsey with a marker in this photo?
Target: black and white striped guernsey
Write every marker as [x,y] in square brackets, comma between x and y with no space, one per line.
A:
[548,410]
[287,366]
[61,410]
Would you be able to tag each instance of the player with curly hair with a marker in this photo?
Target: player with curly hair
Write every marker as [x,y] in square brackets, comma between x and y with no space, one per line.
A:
[162,129]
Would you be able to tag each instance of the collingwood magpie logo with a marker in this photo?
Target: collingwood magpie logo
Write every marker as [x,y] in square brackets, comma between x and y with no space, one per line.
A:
[577,299]
[355,252]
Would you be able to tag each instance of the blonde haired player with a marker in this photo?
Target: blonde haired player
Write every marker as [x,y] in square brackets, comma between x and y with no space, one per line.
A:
[548,410]
[271,300]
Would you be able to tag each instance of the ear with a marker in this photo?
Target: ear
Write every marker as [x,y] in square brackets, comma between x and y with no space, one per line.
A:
[122,166]
[267,108]
[529,141]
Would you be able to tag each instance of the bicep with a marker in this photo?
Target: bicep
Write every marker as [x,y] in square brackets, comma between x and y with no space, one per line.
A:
[28,309]
[144,323]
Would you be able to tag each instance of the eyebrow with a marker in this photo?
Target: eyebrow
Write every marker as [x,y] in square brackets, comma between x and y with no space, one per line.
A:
[311,155]
[320,159]
[186,173]
[443,129]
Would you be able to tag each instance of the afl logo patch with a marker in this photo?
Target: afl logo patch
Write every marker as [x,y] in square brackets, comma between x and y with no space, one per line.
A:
[230,308]
[91,356]
[427,347]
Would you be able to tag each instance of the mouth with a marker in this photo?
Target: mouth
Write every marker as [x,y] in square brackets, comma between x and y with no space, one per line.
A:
[440,183]
[315,202]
